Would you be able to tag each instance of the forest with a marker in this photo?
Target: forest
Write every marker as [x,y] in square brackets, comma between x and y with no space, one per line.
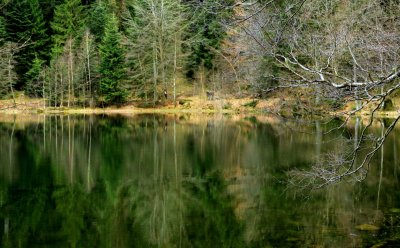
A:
[76,53]
[109,52]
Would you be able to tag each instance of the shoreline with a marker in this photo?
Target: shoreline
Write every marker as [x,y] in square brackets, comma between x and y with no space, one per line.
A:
[193,105]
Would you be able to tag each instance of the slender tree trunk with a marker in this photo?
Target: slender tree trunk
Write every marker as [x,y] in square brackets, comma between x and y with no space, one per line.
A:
[10,80]
[155,59]
[62,89]
[69,87]
[71,58]
[88,69]
[175,63]
[202,79]
[43,92]
[155,75]
[70,73]
[161,46]
[55,89]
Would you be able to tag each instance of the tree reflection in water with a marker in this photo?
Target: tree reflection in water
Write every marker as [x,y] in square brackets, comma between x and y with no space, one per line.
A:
[182,181]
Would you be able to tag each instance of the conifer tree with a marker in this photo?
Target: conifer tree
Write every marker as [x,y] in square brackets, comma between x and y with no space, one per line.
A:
[25,24]
[209,32]
[6,68]
[97,20]
[3,32]
[112,64]
[68,20]
[33,86]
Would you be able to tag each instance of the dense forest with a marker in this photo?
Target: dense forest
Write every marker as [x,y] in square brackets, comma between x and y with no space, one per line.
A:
[106,52]
[77,52]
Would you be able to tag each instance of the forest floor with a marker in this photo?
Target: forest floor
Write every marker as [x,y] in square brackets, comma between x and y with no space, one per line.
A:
[279,104]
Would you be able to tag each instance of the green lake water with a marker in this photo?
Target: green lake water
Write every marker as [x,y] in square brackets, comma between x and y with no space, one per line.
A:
[188,181]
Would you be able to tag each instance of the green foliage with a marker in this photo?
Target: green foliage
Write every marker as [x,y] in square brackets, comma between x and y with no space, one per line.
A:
[178,36]
[68,20]
[205,33]
[33,86]
[25,24]
[3,32]
[97,20]
[112,64]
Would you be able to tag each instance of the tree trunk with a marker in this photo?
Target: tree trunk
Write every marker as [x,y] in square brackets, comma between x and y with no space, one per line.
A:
[174,82]
[154,76]
[88,69]
[10,80]
[62,89]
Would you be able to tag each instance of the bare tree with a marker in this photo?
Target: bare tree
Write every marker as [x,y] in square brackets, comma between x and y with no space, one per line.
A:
[347,52]
[8,75]
[154,42]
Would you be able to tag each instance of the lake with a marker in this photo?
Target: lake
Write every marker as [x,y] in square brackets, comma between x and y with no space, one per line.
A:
[188,181]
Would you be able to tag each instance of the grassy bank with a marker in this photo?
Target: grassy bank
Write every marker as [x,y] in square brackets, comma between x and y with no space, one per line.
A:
[192,104]
[282,104]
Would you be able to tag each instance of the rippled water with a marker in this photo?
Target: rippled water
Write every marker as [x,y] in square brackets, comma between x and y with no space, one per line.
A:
[187,181]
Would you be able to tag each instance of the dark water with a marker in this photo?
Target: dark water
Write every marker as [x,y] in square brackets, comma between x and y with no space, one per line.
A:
[186,181]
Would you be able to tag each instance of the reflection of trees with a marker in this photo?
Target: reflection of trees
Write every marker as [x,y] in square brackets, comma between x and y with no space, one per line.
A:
[328,217]
[155,182]
[58,199]
[211,211]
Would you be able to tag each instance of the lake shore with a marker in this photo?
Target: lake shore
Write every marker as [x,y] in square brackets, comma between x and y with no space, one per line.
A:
[282,106]
[187,105]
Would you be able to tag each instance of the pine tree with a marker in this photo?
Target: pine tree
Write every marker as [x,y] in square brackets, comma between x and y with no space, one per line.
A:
[3,32]
[209,33]
[33,86]
[97,20]
[25,23]
[112,64]
[68,20]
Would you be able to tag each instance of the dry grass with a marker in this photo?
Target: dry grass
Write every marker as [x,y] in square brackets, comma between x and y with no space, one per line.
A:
[190,104]
[281,102]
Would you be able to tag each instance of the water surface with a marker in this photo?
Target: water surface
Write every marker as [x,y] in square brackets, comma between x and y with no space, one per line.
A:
[186,181]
